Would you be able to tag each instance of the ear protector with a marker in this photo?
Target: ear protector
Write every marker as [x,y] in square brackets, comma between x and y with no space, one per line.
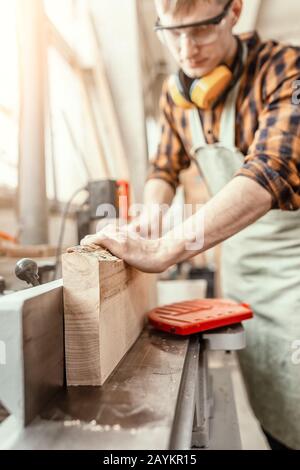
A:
[205,92]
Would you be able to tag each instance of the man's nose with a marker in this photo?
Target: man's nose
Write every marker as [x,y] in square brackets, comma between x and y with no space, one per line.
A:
[188,46]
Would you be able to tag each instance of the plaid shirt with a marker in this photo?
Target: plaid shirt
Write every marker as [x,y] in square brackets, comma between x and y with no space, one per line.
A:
[267,125]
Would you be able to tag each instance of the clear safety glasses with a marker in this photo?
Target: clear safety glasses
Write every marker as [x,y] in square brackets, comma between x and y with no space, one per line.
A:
[201,33]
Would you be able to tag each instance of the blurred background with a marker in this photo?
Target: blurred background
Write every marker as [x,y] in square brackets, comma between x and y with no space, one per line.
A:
[80,82]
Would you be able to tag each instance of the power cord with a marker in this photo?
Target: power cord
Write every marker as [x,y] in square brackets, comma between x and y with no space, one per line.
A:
[62,229]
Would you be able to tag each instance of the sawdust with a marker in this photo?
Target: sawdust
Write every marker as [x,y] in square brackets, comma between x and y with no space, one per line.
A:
[101,253]
[93,426]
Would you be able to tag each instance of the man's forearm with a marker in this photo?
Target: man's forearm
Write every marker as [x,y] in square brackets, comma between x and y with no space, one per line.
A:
[239,204]
[158,196]
[157,191]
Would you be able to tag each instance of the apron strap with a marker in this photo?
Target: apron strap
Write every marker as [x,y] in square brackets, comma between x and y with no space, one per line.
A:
[198,137]
[227,124]
[228,119]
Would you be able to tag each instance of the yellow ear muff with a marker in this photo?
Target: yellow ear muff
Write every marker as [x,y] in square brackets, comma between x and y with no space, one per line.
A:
[205,91]
[176,93]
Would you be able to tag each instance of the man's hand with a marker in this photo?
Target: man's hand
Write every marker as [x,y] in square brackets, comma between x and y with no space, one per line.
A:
[151,256]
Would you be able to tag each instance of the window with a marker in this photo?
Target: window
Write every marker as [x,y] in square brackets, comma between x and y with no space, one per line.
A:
[72,155]
[8,94]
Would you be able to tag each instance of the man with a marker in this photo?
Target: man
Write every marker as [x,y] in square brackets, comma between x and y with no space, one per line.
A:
[231,108]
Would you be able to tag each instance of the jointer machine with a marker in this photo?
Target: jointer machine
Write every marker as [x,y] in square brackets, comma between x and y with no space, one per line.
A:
[163,394]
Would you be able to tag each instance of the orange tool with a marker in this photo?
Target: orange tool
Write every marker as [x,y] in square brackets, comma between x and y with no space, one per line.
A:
[123,199]
[7,237]
[195,316]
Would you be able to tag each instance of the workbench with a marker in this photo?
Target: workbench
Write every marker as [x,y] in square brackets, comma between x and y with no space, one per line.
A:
[159,397]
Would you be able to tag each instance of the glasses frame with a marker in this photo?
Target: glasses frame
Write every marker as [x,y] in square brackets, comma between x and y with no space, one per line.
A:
[216,20]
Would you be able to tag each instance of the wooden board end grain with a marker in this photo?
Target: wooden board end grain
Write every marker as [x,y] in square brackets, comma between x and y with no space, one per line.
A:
[105,302]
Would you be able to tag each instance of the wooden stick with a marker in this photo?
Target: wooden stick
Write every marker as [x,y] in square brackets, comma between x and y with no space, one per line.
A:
[105,303]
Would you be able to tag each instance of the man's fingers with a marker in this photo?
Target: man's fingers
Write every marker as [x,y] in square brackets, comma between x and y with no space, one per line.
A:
[112,241]
[91,240]
[117,246]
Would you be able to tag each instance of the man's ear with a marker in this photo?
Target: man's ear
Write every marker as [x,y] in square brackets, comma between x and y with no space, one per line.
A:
[236,11]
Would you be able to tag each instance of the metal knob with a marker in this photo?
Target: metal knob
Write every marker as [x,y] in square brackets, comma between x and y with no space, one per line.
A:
[27,270]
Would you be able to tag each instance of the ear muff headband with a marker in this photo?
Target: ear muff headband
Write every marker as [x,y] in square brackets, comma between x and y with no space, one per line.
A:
[206,91]
[178,93]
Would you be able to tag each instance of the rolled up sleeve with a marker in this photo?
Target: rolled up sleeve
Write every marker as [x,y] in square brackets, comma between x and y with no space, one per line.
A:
[273,159]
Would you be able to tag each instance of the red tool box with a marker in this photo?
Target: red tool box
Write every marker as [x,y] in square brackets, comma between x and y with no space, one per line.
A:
[195,316]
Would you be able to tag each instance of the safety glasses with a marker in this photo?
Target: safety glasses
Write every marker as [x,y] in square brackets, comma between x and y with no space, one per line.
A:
[201,32]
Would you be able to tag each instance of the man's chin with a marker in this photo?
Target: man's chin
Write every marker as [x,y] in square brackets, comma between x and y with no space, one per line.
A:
[196,72]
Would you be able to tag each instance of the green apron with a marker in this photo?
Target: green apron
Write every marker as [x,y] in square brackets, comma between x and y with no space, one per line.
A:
[260,266]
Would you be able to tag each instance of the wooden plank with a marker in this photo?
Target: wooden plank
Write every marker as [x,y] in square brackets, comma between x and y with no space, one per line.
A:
[105,303]
[31,327]
[28,251]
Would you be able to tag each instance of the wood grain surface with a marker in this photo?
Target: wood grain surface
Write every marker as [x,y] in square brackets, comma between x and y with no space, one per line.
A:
[105,302]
